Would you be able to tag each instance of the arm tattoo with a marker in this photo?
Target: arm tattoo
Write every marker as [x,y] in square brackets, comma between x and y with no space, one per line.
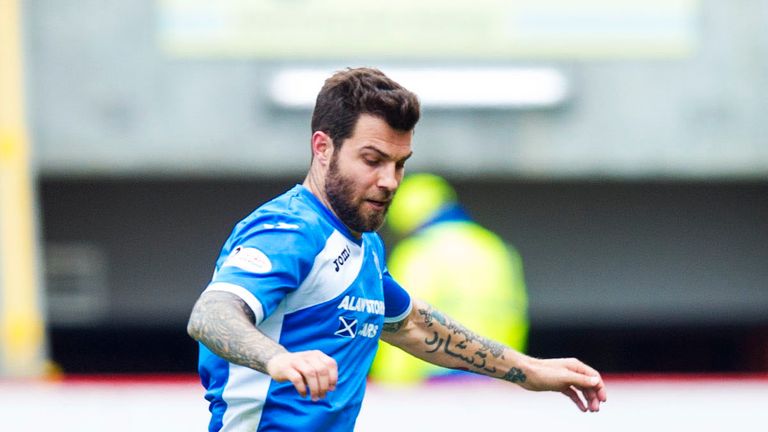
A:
[393,327]
[225,324]
[465,345]
[514,375]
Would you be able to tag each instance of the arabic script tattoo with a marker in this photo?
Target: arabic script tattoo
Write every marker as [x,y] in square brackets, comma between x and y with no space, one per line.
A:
[463,344]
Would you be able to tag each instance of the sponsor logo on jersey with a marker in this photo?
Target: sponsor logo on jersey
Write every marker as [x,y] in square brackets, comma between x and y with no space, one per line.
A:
[359,304]
[348,328]
[369,330]
[249,259]
[342,258]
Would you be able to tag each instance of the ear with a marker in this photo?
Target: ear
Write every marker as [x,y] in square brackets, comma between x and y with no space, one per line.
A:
[322,147]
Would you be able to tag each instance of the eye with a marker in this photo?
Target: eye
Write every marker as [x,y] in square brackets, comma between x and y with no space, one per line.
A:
[372,161]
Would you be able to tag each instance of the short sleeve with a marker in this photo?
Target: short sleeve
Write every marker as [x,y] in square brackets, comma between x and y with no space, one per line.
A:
[396,299]
[264,262]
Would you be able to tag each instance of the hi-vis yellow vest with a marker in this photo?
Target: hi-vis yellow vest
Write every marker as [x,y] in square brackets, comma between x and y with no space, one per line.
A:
[467,272]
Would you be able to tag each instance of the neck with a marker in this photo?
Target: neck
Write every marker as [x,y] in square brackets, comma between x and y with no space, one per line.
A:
[315,182]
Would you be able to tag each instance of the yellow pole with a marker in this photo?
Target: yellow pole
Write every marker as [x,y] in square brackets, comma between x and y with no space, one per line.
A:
[22,334]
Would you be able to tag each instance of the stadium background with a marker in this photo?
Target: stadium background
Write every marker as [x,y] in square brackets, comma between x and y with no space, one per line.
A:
[635,186]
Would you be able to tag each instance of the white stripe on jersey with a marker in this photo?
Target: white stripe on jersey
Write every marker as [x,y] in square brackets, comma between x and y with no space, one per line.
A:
[246,389]
[334,270]
[244,294]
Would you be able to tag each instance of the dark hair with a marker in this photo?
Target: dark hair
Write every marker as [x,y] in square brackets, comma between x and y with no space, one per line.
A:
[349,93]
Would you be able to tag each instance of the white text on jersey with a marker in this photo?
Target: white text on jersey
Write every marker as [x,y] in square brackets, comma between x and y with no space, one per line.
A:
[352,303]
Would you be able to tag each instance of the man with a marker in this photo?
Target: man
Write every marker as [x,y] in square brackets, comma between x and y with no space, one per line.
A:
[301,295]
[455,264]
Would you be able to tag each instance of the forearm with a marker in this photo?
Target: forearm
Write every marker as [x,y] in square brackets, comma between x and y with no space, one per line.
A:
[225,324]
[436,338]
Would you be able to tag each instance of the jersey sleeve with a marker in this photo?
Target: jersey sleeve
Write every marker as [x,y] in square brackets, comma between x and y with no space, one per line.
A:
[264,262]
[396,299]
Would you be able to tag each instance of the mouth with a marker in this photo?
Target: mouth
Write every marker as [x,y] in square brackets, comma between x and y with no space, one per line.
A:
[378,205]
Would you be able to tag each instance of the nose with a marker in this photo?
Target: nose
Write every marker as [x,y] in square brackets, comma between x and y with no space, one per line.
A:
[388,179]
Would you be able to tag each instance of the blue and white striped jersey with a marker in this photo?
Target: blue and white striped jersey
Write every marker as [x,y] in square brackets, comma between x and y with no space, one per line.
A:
[311,285]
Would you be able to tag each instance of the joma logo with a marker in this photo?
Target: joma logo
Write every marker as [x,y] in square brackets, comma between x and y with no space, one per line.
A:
[342,258]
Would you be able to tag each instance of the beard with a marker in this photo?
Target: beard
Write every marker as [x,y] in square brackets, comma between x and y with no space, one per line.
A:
[340,191]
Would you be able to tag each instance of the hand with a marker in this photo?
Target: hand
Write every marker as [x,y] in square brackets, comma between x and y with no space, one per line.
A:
[307,370]
[570,377]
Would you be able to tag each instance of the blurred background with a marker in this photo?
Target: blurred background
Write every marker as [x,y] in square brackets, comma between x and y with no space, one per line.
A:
[621,146]
[631,171]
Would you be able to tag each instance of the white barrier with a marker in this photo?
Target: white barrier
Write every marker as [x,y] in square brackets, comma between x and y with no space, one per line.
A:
[634,404]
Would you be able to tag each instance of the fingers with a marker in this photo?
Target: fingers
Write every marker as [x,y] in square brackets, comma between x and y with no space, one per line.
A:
[593,403]
[581,383]
[590,383]
[333,373]
[590,376]
[585,376]
[318,375]
[595,390]
[591,400]
[297,380]
[312,373]
[602,393]
[589,403]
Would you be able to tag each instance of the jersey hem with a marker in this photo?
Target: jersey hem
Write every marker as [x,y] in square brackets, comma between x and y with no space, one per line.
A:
[402,316]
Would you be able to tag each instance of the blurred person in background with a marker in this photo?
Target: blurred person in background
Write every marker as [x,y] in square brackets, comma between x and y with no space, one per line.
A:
[290,322]
[455,264]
